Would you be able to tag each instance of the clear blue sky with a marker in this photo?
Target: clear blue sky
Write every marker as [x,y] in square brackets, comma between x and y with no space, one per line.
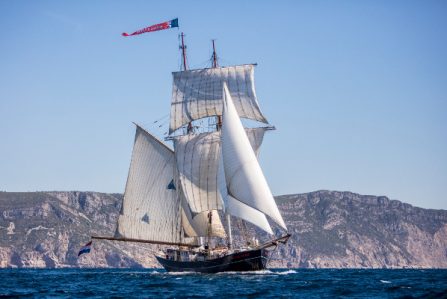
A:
[356,89]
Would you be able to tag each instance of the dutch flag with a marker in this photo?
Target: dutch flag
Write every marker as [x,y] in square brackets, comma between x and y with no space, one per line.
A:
[86,248]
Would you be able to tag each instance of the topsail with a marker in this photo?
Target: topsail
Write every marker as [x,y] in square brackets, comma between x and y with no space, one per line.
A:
[198,93]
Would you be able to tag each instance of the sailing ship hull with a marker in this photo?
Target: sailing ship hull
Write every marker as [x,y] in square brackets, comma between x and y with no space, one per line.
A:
[250,260]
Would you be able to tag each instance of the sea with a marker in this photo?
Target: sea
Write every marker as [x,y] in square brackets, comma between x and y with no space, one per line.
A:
[277,283]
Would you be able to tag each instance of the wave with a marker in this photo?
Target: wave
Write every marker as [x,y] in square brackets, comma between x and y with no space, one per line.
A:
[286,272]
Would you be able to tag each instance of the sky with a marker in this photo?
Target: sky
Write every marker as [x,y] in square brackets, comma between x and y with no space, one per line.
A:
[356,89]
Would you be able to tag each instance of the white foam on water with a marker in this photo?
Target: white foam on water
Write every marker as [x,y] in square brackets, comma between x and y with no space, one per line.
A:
[258,272]
[286,272]
[385,281]
[156,272]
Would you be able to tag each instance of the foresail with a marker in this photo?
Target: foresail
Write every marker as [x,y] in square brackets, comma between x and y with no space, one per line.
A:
[198,93]
[244,177]
[239,209]
[151,207]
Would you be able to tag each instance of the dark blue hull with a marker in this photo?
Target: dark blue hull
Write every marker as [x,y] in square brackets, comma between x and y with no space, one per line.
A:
[250,260]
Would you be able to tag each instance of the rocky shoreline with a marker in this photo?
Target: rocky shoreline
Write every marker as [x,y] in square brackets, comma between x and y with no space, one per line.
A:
[330,229]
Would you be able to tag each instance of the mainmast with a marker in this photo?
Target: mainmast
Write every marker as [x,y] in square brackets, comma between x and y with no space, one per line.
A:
[185,68]
[214,57]
[218,127]
[183,48]
[215,65]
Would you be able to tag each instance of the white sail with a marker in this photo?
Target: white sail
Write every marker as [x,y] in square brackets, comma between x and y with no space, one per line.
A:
[198,225]
[197,158]
[150,208]
[243,175]
[203,228]
[255,136]
[197,163]
[188,229]
[238,209]
[198,93]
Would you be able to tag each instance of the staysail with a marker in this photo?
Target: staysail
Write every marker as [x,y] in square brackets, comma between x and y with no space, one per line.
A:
[240,210]
[244,177]
[237,208]
[198,93]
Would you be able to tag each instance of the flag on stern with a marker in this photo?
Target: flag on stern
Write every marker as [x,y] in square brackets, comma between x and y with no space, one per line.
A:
[156,27]
[86,248]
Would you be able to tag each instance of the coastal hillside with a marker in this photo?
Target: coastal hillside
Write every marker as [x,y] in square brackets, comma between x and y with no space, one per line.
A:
[329,229]
[347,230]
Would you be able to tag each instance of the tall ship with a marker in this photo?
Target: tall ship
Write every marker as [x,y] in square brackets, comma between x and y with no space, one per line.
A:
[186,198]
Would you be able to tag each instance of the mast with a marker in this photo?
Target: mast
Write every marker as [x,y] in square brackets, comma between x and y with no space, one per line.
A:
[230,236]
[218,127]
[183,48]
[208,242]
[214,57]
[215,65]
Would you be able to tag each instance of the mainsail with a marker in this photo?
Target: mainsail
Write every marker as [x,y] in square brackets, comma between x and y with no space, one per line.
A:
[150,208]
[198,93]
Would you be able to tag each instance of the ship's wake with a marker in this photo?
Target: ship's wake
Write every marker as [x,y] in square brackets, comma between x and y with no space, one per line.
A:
[258,272]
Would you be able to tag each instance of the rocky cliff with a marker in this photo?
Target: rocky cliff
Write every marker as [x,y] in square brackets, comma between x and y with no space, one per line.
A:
[330,230]
[346,230]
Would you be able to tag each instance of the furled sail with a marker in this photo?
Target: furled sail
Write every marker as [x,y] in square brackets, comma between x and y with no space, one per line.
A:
[244,177]
[150,208]
[198,93]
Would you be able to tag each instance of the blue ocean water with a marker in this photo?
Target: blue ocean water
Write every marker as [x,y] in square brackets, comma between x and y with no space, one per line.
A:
[287,283]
